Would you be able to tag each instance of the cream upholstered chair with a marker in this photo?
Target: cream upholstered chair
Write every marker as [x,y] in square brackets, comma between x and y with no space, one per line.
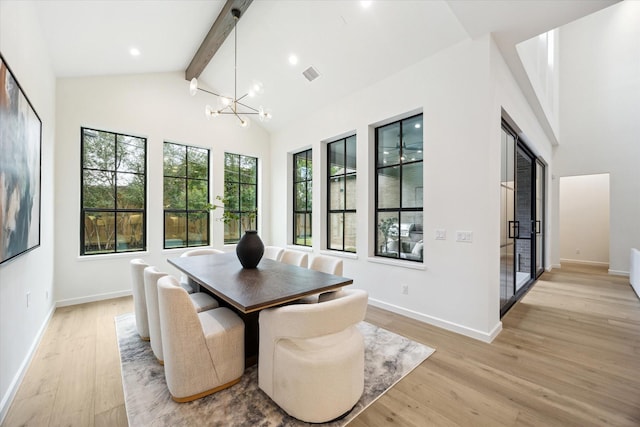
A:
[199,300]
[325,264]
[203,352]
[184,279]
[273,252]
[311,360]
[139,300]
[295,258]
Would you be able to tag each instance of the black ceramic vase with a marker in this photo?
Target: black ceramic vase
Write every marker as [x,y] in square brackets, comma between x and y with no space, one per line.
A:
[250,249]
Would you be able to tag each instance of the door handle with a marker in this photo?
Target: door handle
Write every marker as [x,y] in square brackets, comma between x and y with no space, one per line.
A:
[538,227]
[515,227]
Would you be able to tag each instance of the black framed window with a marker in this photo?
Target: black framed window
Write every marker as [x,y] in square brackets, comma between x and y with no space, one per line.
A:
[302,197]
[399,190]
[341,193]
[113,195]
[186,196]
[240,194]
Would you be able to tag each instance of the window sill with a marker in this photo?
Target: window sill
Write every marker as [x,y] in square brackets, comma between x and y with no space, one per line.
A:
[339,254]
[301,248]
[102,257]
[398,263]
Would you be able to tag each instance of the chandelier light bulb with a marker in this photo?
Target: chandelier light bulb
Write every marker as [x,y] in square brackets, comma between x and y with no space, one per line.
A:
[193,86]
[244,122]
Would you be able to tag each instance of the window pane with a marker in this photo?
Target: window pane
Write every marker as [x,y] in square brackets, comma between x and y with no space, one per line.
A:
[412,138]
[99,232]
[411,236]
[175,193]
[412,185]
[350,192]
[98,189]
[232,231]
[336,158]
[300,162]
[350,221]
[247,221]
[351,154]
[309,170]
[389,187]
[99,150]
[248,169]
[389,144]
[175,160]
[130,154]
[231,166]
[129,229]
[231,195]
[175,229]
[388,234]
[336,222]
[247,197]
[198,196]
[301,196]
[198,163]
[130,191]
[336,193]
[198,226]
[307,230]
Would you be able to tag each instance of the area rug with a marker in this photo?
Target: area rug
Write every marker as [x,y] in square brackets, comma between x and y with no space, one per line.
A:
[388,358]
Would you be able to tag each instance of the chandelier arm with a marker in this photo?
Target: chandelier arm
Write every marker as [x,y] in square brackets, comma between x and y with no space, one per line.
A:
[256,111]
[212,93]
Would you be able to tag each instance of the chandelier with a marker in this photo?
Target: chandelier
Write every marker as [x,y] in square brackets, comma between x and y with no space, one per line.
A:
[233,105]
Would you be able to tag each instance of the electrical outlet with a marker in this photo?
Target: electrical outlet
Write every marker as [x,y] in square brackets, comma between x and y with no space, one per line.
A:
[578,251]
[28,299]
[441,234]
[46,294]
[405,289]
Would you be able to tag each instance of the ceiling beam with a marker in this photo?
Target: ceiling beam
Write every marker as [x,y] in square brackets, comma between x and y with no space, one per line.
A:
[221,28]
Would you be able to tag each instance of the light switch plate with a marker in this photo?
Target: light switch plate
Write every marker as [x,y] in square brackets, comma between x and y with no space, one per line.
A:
[464,236]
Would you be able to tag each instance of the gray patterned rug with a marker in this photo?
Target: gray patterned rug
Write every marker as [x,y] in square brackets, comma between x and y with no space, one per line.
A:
[388,358]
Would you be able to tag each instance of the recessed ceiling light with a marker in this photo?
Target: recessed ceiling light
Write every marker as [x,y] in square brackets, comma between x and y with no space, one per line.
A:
[134,51]
[365,3]
[293,60]
[418,126]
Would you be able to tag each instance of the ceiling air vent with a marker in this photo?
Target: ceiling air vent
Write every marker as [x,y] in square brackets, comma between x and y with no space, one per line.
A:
[310,74]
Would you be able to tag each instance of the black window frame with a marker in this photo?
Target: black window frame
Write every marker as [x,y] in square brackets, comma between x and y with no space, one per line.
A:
[308,210]
[399,210]
[86,212]
[344,175]
[186,211]
[240,213]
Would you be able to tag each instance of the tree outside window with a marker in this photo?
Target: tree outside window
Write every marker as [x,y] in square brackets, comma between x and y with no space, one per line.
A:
[302,198]
[240,195]
[113,195]
[186,196]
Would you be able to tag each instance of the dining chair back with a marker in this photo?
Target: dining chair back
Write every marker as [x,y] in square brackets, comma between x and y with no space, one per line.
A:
[327,264]
[184,279]
[292,257]
[137,267]
[203,352]
[273,252]
[311,359]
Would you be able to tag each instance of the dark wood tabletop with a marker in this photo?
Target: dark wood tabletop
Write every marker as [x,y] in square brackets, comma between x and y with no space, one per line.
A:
[272,283]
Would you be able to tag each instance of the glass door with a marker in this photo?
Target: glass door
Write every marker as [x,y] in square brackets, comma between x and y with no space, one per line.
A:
[539,221]
[507,220]
[524,217]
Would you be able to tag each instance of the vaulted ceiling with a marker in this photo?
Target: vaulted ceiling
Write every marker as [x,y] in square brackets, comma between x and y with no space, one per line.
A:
[349,43]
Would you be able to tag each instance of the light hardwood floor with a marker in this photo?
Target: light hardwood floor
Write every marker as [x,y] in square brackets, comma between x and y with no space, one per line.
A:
[568,355]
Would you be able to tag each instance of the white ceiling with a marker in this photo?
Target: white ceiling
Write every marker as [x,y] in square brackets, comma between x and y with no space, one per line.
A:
[349,45]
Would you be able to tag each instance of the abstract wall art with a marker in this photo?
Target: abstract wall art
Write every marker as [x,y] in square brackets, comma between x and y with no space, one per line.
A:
[20,161]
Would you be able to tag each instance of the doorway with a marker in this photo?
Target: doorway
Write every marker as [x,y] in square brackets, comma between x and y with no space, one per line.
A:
[522,218]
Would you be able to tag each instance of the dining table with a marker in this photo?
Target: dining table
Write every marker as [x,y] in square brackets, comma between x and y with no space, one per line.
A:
[247,291]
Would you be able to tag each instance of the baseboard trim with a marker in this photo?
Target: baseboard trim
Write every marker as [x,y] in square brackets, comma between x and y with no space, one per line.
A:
[93,298]
[619,273]
[7,399]
[487,337]
[585,262]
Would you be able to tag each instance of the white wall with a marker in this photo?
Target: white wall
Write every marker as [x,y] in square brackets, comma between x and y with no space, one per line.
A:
[158,107]
[584,219]
[21,327]
[599,104]
[458,285]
